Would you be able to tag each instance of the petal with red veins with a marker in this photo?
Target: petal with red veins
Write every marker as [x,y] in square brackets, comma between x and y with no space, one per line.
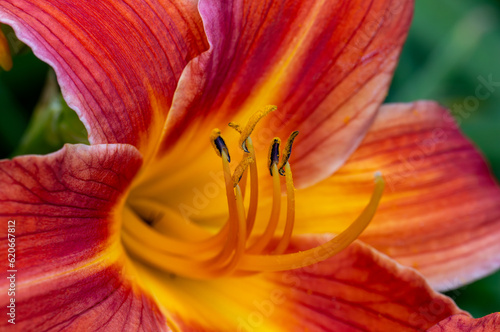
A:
[118,62]
[325,64]
[63,206]
[357,290]
[92,298]
[461,323]
[440,212]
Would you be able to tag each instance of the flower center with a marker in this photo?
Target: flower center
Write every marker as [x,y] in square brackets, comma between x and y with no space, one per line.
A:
[236,249]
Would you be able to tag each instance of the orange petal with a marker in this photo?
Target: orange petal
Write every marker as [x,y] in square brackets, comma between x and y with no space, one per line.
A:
[92,298]
[326,65]
[461,323]
[356,290]
[63,206]
[118,62]
[440,211]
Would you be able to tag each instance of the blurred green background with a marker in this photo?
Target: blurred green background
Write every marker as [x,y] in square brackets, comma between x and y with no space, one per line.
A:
[451,43]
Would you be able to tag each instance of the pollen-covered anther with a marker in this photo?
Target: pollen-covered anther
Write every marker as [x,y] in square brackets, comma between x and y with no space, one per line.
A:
[274,154]
[287,151]
[219,144]
[240,169]
[235,126]
[252,122]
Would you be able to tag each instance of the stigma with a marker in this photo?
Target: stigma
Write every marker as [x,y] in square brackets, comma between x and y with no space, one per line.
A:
[236,249]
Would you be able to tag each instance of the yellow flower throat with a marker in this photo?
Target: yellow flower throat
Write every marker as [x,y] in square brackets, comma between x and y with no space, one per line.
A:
[235,250]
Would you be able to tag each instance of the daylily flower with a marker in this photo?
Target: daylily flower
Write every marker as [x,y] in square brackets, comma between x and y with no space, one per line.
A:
[151,228]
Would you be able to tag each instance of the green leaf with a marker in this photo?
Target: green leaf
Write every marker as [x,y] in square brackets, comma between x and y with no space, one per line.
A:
[52,125]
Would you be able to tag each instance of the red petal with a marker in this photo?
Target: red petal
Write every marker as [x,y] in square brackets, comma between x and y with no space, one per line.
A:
[118,62]
[63,205]
[92,298]
[461,323]
[360,289]
[356,290]
[325,64]
[440,212]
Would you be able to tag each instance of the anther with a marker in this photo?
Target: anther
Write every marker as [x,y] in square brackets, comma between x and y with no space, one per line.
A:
[274,154]
[252,122]
[240,169]
[235,126]
[287,151]
[219,144]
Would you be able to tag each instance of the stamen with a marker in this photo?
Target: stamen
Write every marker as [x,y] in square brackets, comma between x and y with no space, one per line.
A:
[241,236]
[252,122]
[184,257]
[268,234]
[274,154]
[243,182]
[167,221]
[219,144]
[312,256]
[175,245]
[254,189]
[233,216]
[142,236]
[287,151]
[168,263]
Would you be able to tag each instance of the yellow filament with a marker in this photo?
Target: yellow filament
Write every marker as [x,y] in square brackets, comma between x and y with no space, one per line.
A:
[147,236]
[165,262]
[252,122]
[254,189]
[231,241]
[181,257]
[240,238]
[188,231]
[290,213]
[268,234]
[168,222]
[243,182]
[322,252]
